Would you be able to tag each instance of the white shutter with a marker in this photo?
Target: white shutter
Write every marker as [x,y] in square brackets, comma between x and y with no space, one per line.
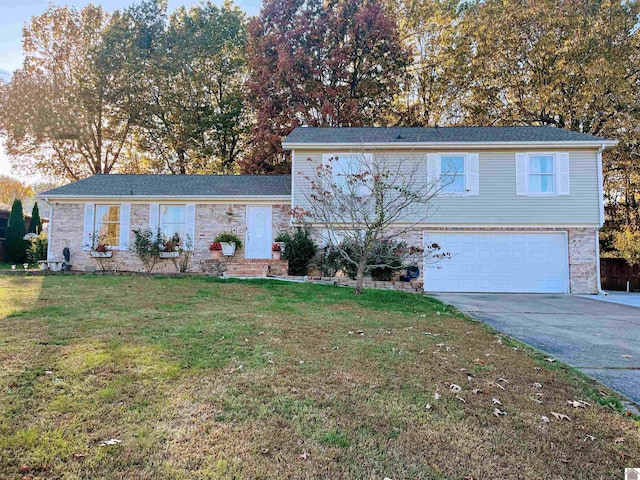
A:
[521,173]
[87,236]
[473,174]
[562,173]
[433,170]
[189,226]
[125,220]
[154,209]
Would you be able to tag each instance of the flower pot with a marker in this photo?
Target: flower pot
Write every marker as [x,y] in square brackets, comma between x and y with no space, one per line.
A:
[277,254]
[228,248]
[25,266]
[169,254]
[95,254]
[216,254]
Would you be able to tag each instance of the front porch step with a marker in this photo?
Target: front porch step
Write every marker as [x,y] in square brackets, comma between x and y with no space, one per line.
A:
[239,267]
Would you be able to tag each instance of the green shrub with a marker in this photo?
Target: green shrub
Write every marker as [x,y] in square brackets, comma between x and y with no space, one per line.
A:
[148,246]
[15,244]
[37,248]
[300,249]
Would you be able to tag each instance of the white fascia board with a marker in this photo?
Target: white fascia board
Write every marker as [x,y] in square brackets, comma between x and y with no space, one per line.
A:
[170,198]
[451,145]
[467,226]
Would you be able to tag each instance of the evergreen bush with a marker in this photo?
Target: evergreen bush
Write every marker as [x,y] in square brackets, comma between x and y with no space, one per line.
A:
[15,244]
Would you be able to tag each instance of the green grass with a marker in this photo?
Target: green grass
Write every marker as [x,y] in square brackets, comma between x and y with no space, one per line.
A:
[203,378]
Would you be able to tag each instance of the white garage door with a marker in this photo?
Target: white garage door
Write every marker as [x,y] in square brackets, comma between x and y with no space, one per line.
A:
[510,262]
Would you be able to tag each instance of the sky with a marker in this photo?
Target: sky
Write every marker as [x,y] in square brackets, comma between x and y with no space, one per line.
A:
[15,13]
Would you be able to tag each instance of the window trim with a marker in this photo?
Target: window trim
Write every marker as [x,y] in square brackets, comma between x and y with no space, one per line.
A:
[119,222]
[528,174]
[465,174]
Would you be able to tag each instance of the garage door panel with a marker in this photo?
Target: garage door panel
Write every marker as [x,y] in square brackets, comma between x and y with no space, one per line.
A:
[499,262]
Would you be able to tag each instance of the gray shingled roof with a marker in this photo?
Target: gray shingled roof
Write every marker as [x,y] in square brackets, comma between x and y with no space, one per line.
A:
[359,135]
[176,186]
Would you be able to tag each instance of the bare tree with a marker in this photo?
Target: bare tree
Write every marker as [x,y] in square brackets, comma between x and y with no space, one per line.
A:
[365,199]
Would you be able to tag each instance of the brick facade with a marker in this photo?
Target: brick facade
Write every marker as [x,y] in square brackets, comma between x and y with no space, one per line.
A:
[210,220]
[583,278]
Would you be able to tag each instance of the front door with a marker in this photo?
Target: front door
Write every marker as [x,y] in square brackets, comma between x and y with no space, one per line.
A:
[259,237]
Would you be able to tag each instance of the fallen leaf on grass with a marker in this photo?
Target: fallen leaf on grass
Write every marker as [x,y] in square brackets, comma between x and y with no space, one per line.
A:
[497,412]
[113,441]
[578,403]
[25,468]
[618,440]
[79,456]
[561,416]
[461,399]
[496,401]
[436,396]
[589,437]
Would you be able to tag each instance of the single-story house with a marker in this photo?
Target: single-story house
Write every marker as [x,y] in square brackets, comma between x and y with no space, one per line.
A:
[522,214]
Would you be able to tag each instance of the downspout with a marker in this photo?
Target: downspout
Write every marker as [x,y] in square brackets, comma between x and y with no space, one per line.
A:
[601,204]
[50,233]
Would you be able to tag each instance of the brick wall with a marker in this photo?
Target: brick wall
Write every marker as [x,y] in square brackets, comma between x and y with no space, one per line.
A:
[582,252]
[210,219]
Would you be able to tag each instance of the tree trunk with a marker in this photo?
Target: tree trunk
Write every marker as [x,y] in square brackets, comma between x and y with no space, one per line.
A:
[359,278]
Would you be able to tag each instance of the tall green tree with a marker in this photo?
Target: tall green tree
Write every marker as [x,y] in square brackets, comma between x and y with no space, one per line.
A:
[188,72]
[35,225]
[335,63]
[14,243]
[57,111]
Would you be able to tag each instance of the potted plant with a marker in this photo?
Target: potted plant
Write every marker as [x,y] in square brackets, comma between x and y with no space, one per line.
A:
[281,239]
[276,249]
[171,247]
[216,250]
[100,248]
[229,242]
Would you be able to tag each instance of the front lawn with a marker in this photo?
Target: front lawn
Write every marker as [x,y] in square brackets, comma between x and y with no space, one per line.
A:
[201,378]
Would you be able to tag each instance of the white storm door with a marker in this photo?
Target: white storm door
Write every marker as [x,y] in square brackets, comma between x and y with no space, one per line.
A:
[258,240]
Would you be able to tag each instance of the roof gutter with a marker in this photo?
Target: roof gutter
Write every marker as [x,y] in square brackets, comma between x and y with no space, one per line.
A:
[144,198]
[448,145]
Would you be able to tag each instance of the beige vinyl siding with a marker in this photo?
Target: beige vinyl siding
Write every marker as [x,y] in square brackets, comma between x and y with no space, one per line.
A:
[497,203]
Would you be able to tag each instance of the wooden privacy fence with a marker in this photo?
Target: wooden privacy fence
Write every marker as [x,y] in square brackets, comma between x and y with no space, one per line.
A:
[616,272]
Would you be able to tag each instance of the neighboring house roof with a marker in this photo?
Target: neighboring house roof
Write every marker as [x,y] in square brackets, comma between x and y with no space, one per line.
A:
[303,136]
[114,185]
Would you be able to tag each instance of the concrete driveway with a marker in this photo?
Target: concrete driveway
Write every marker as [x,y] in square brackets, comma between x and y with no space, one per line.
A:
[600,338]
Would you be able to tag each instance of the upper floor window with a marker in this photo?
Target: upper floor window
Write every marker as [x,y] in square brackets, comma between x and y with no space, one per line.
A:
[346,171]
[107,224]
[456,174]
[452,176]
[542,173]
[172,221]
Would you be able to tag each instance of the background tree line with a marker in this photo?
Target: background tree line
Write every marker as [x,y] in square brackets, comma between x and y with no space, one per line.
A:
[209,89]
